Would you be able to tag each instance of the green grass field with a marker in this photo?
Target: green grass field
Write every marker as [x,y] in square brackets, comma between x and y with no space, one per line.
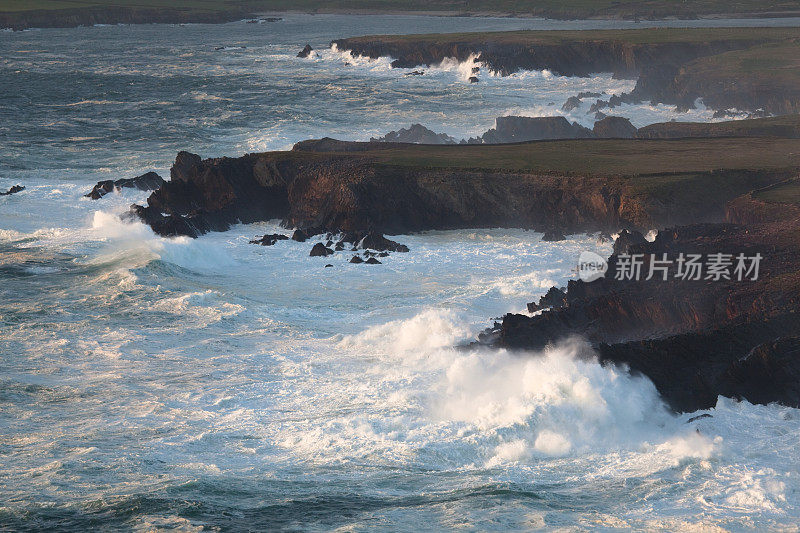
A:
[605,156]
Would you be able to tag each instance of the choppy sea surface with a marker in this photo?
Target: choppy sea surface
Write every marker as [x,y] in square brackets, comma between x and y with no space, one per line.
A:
[150,383]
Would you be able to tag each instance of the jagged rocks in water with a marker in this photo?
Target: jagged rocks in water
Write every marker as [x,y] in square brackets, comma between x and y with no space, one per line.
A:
[614,128]
[416,134]
[415,73]
[305,52]
[328,265]
[473,79]
[554,298]
[627,240]
[475,70]
[339,246]
[572,102]
[598,105]
[553,236]
[299,235]
[319,250]
[372,261]
[376,241]
[146,182]
[13,190]
[269,240]
[356,259]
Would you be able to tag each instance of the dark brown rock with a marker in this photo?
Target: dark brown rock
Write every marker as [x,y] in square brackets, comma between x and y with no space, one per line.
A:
[319,250]
[146,182]
[13,190]
[614,128]
[305,52]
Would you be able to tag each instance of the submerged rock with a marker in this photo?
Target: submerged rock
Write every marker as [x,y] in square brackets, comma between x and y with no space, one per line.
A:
[473,79]
[305,52]
[13,190]
[269,240]
[319,250]
[553,236]
[376,241]
[146,182]
[572,102]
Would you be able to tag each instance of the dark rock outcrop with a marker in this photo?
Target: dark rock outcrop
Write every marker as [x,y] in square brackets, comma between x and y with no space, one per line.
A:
[319,250]
[305,52]
[356,259]
[553,236]
[572,102]
[269,240]
[521,129]
[210,195]
[694,339]
[13,190]
[614,128]
[628,241]
[554,298]
[372,261]
[146,182]
[417,134]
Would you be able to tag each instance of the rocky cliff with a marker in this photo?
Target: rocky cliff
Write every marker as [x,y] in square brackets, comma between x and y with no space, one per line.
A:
[723,66]
[695,339]
[396,189]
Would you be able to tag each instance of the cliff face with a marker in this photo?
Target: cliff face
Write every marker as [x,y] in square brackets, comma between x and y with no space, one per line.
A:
[670,68]
[695,339]
[567,58]
[355,190]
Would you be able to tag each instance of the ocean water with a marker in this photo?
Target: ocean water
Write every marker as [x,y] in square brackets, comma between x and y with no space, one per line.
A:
[150,383]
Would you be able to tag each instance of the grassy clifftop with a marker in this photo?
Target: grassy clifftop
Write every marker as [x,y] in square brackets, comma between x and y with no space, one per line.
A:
[596,157]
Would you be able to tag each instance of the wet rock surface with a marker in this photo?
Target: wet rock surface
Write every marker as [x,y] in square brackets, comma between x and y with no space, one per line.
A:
[13,190]
[146,182]
[305,52]
[695,339]
[269,240]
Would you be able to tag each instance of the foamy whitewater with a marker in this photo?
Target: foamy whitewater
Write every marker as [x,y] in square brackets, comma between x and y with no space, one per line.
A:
[153,383]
